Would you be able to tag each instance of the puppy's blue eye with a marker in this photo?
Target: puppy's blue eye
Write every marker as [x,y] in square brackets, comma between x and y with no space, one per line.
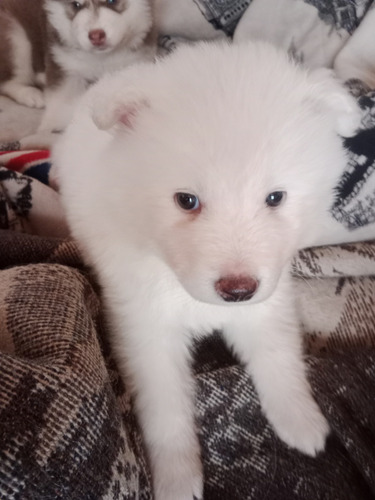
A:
[77,5]
[274,199]
[187,201]
[111,2]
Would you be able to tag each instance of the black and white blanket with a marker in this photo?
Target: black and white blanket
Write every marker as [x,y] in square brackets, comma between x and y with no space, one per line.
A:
[318,33]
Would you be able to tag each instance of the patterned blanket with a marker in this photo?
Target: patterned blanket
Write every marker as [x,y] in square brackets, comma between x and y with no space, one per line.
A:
[67,426]
[334,33]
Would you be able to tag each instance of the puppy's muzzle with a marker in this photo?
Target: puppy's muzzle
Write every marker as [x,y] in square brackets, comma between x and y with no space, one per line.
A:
[236,288]
[97,37]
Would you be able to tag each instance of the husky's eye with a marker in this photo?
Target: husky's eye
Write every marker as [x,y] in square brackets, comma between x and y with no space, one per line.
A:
[187,201]
[111,2]
[274,199]
[77,5]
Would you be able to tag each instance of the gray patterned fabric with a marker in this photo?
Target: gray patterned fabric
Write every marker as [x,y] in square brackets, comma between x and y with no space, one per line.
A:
[355,194]
[340,14]
[67,427]
[223,14]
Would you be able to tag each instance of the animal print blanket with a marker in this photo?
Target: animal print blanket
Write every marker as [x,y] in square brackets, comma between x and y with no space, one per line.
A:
[67,426]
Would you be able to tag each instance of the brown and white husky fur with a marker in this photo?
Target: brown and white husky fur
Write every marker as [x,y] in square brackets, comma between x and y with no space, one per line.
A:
[51,50]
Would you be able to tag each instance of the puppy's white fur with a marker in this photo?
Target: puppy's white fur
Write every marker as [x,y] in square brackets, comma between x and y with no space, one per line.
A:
[229,124]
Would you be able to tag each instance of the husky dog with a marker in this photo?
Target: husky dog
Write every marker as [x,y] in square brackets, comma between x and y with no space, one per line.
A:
[67,45]
[223,162]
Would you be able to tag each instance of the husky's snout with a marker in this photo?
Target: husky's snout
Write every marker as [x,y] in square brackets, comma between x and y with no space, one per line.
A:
[236,288]
[97,37]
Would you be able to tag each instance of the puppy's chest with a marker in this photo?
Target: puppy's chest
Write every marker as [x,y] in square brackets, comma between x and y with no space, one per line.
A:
[202,319]
[91,66]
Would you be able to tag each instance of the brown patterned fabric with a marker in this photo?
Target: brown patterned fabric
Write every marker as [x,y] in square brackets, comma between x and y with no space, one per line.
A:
[67,427]
[61,428]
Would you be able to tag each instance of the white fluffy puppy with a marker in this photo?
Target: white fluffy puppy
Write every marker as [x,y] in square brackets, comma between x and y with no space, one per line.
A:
[190,184]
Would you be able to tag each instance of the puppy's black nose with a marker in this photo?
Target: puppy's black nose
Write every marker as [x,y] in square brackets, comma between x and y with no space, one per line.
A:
[236,288]
[97,37]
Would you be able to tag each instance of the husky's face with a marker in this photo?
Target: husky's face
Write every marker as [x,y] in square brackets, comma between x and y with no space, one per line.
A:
[221,165]
[100,25]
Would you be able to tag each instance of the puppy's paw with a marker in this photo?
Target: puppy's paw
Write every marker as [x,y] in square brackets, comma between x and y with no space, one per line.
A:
[178,476]
[303,427]
[31,97]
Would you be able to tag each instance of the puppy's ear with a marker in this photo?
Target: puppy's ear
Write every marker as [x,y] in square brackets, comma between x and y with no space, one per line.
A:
[120,109]
[330,92]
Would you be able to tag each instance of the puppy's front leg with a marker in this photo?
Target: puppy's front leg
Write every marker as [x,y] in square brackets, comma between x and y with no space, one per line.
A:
[61,99]
[267,338]
[154,354]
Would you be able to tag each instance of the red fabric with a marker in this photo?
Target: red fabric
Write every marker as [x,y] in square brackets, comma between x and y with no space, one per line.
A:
[19,160]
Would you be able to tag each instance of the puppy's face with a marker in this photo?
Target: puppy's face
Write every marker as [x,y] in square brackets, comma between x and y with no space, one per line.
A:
[100,25]
[226,207]
[221,172]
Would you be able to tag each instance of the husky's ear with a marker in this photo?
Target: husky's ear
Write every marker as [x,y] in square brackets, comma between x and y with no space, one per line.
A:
[330,92]
[120,108]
